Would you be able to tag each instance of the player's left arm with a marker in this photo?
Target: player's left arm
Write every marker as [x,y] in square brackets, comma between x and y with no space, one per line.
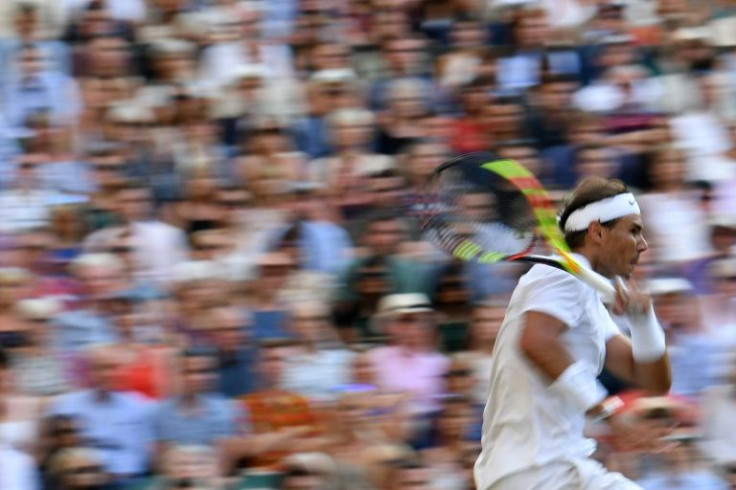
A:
[642,360]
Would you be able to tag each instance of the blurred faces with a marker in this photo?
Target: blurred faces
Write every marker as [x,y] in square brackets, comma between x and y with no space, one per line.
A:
[404,56]
[412,330]
[198,373]
[31,61]
[272,366]
[669,169]
[424,158]
[104,364]
[384,236]
[486,323]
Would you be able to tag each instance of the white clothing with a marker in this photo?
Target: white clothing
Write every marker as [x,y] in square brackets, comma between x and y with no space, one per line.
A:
[567,475]
[706,140]
[17,470]
[316,376]
[527,426]
[221,61]
[678,226]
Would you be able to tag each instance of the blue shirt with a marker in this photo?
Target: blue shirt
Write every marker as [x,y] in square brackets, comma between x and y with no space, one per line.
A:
[215,418]
[120,428]
[77,329]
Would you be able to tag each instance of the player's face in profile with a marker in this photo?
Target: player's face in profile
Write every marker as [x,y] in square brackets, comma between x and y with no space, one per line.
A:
[622,245]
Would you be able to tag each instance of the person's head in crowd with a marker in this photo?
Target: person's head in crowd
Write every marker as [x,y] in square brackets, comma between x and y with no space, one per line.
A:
[333,89]
[422,158]
[595,160]
[269,136]
[504,117]
[108,55]
[123,246]
[468,33]
[300,478]
[273,271]
[173,59]
[78,469]
[310,322]
[351,130]
[411,475]
[404,55]
[555,92]
[460,376]
[614,246]
[723,275]
[32,247]
[329,55]
[31,61]
[406,98]
[197,286]
[28,165]
[524,152]
[198,368]
[13,286]
[62,432]
[668,169]
[25,20]
[128,122]
[408,319]
[104,362]
[37,314]
[530,28]
[272,356]
[312,22]
[248,82]
[676,304]
[209,244]
[193,467]
[107,162]
[383,233]
[387,188]
[723,235]
[99,274]
[586,129]
[229,328]
[363,370]
[485,324]
[711,87]
[691,47]
[453,419]
[475,96]
[94,20]
[234,200]
[125,308]
[616,51]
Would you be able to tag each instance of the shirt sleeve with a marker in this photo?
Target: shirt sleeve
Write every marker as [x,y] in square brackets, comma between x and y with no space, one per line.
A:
[557,294]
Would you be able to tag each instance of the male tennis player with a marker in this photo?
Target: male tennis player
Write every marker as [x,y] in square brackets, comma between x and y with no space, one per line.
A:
[555,339]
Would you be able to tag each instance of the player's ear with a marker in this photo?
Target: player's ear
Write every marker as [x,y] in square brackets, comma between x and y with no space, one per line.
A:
[595,232]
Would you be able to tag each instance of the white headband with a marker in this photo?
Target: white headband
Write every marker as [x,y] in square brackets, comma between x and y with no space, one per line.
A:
[604,210]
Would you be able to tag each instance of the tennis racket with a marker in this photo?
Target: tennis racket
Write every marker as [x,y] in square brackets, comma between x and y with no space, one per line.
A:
[480,207]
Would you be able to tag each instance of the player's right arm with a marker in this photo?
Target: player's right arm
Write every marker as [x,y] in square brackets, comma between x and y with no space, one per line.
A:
[541,344]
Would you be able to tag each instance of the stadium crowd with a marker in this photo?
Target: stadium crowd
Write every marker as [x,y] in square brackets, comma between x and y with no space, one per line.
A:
[210,273]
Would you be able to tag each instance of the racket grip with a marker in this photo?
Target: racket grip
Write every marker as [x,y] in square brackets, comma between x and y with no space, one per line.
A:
[599,283]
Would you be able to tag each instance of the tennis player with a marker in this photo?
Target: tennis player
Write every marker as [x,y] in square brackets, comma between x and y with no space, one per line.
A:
[557,336]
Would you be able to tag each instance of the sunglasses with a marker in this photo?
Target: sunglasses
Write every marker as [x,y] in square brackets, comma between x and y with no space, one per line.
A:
[85,470]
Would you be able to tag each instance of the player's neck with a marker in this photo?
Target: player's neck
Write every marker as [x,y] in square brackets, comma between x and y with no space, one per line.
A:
[592,256]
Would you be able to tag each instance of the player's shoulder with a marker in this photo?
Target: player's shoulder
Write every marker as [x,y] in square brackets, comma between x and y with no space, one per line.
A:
[542,275]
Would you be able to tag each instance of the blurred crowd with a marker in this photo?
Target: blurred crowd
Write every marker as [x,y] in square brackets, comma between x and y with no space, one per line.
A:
[211,275]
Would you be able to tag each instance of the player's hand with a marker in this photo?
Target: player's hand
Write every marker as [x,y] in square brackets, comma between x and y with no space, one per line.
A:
[630,299]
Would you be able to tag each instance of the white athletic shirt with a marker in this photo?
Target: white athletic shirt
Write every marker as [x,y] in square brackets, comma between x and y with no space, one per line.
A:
[524,425]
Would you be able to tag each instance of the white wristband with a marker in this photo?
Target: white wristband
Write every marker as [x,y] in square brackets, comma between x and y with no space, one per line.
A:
[578,385]
[647,337]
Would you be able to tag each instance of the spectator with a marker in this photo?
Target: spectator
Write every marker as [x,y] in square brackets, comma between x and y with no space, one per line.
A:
[41,370]
[411,363]
[78,469]
[197,415]
[124,448]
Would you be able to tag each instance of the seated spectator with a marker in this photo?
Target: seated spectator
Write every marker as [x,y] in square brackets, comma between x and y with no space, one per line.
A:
[319,363]
[717,420]
[40,369]
[12,329]
[89,323]
[197,415]
[484,326]
[282,421]
[399,125]
[410,363]
[470,131]
[124,447]
[78,469]
[61,432]
[411,475]
[187,466]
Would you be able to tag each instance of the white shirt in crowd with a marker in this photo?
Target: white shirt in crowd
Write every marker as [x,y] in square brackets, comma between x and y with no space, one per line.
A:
[525,425]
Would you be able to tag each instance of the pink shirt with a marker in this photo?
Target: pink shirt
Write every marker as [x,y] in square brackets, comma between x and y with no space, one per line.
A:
[421,375]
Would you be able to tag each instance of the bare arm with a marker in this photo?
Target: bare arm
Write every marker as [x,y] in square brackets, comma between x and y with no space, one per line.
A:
[540,344]
[654,377]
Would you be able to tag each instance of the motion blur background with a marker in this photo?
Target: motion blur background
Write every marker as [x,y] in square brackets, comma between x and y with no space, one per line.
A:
[211,277]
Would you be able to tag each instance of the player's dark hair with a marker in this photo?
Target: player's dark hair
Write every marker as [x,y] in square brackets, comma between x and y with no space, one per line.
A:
[590,190]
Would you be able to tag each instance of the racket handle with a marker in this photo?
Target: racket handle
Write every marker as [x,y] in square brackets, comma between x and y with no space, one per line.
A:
[599,283]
